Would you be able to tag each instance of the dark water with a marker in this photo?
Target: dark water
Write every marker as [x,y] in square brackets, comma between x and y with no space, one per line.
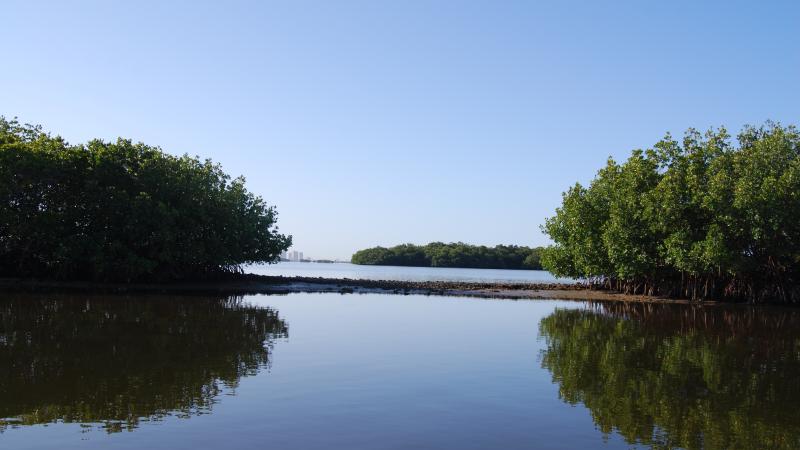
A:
[308,371]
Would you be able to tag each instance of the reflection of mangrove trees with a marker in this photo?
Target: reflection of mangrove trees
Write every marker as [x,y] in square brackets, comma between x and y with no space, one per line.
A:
[674,376]
[118,360]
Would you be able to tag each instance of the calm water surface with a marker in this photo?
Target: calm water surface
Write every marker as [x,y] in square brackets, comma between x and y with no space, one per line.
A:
[308,371]
[354,271]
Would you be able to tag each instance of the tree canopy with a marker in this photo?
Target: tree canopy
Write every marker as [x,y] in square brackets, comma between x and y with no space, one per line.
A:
[701,218]
[123,211]
[457,254]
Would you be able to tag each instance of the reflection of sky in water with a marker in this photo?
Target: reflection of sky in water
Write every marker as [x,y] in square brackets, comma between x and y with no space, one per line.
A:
[377,371]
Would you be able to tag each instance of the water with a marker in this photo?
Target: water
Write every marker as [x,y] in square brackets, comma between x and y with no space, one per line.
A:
[371,371]
[354,271]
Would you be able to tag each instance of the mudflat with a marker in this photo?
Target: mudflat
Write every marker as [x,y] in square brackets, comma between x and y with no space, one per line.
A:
[254,284]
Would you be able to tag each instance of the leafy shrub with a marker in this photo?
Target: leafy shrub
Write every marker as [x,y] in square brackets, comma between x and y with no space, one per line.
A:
[123,212]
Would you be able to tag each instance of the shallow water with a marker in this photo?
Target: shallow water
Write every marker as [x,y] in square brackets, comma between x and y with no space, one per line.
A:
[354,271]
[307,371]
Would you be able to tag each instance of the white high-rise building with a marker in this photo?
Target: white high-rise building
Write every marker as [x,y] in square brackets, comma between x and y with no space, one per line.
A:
[301,257]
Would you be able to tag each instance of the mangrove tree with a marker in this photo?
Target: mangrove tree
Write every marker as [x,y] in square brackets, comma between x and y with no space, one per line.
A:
[123,211]
[698,218]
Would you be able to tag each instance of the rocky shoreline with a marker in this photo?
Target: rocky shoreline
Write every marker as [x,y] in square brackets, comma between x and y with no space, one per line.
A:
[243,284]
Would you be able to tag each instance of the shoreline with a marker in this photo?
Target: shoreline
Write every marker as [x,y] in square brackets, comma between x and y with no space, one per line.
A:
[247,284]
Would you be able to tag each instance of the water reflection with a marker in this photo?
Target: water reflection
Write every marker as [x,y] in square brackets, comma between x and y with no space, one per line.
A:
[668,376]
[115,361]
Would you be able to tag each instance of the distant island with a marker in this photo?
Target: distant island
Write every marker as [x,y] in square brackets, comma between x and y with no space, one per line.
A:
[455,254]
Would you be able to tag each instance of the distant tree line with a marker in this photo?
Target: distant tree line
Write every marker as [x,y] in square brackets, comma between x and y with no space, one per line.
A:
[457,254]
[701,218]
[120,211]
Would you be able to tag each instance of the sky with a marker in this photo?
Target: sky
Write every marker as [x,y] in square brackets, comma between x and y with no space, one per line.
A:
[383,122]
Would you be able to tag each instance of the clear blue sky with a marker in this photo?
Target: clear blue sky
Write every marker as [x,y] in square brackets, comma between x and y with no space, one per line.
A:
[369,122]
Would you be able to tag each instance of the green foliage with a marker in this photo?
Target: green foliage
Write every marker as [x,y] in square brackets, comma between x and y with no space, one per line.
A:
[671,376]
[699,219]
[458,254]
[116,361]
[123,211]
